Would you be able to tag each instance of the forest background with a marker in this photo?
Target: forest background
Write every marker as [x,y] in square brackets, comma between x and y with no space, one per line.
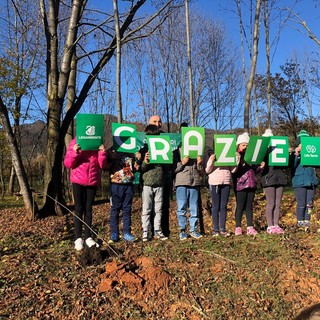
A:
[139,58]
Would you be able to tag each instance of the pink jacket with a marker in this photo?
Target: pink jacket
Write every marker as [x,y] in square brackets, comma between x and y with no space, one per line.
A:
[85,166]
[218,175]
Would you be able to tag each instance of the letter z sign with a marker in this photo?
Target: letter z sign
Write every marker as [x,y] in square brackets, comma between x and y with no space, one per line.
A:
[225,149]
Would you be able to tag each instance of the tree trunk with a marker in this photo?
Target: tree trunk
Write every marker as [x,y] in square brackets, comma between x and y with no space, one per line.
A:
[266,28]
[118,68]
[71,97]
[1,178]
[253,66]
[30,205]
[12,181]
[57,88]
[189,65]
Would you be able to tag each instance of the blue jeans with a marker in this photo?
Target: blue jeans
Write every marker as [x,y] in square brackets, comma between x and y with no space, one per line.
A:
[219,197]
[121,198]
[304,197]
[187,197]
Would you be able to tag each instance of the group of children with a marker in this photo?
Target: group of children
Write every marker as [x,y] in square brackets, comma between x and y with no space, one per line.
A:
[86,169]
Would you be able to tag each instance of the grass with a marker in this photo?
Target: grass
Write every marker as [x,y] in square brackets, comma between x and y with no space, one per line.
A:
[8,202]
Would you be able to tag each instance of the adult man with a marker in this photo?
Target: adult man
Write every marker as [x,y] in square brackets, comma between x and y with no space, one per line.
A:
[167,190]
[156,120]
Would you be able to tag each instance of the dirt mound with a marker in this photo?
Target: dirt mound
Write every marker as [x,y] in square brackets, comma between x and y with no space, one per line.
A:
[136,276]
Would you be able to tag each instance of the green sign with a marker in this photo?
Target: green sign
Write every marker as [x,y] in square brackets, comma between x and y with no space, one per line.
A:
[225,149]
[124,137]
[310,151]
[279,155]
[141,140]
[193,139]
[89,131]
[256,149]
[175,140]
[160,149]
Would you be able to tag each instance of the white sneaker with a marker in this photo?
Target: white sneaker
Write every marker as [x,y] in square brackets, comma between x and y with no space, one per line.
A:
[78,244]
[90,243]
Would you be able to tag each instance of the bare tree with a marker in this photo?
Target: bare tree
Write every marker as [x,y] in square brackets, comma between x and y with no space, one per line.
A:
[118,69]
[189,64]
[58,71]
[158,66]
[266,21]
[30,206]
[254,59]
[20,44]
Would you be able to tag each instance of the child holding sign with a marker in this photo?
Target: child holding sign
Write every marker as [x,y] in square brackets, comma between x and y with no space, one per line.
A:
[85,176]
[304,183]
[220,180]
[188,181]
[121,166]
[245,184]
[273,179]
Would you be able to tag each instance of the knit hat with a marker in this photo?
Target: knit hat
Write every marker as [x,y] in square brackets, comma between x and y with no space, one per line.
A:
[268,133]
[302,133]
[243,138]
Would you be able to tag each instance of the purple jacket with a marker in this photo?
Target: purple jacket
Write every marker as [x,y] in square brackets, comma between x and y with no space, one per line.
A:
[85,166]
[245,176]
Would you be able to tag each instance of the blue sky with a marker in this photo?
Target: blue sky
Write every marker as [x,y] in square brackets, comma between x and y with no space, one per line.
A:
[291,40]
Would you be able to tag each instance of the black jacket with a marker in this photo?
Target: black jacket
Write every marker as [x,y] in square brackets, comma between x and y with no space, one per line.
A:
[272,176]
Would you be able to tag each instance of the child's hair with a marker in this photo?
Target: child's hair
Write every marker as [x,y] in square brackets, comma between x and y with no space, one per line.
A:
[311,313]
[152,129]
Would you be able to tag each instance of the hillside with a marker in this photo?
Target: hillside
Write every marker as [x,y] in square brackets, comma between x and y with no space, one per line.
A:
[266,277]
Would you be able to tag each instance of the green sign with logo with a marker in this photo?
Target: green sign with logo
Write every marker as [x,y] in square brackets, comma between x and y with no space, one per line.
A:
[279,155]
[225,149]
[175,140]
[89,131]
[310,151]
[256,149]
[193,139]
[124,137]
[160,150]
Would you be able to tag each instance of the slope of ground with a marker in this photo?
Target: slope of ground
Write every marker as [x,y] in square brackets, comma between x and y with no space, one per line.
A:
[268,277]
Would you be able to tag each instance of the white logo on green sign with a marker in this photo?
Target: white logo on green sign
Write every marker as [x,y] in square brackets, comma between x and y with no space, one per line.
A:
[310,147]
[91,130]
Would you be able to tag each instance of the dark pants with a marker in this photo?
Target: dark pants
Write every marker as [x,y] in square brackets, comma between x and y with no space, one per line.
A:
[165,218]
[245,203]
[83,197]
[220,197]
[121,199]
[304,197]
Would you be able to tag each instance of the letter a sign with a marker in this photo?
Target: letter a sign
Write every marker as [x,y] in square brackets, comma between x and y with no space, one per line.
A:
[192,141]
